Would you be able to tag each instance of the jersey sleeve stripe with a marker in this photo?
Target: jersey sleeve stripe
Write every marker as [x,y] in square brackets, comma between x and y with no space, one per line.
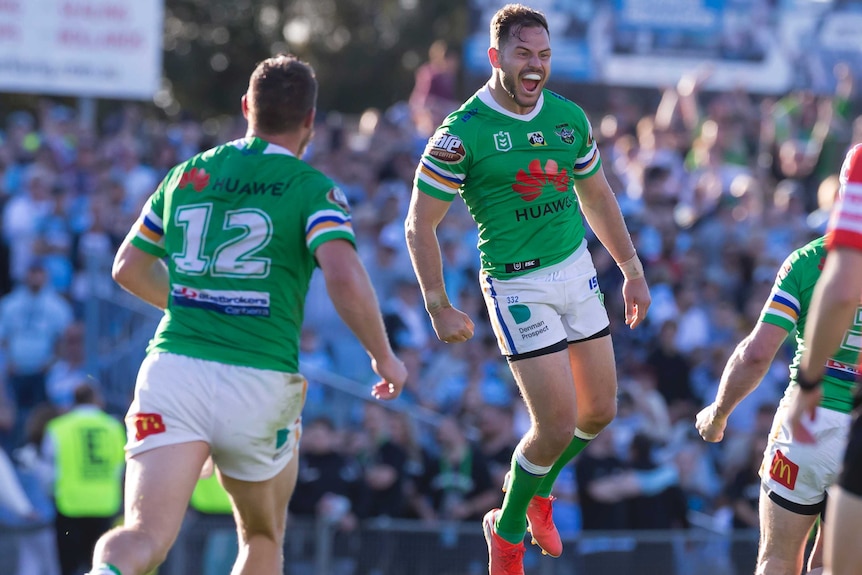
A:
[149,221]
[784,299]
[325,216]
[149,233]
[329,229]
[327,221]
[782,310]
[458,179]
[437,180]
[586,164]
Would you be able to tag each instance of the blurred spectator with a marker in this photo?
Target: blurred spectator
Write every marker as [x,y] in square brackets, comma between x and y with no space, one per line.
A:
[70,369]
[86,448]
[21,217]
[660,507]
[598,465]
[12,495]
[8,414]
[32,319]
[404,315]
[434,95]
[37,549]
[457,483]
[456,487]
[672,370]
[497,438]
[329,484]
[382,464]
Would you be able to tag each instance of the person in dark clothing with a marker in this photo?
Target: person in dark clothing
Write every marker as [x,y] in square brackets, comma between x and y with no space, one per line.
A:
[456,486]
[329,484]
[672,370]
[599,463]
[384,475]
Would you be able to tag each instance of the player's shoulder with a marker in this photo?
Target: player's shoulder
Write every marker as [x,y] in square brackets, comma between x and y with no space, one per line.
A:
[814,248]
[806,258]
[558,101]
[465,119]
[851,169]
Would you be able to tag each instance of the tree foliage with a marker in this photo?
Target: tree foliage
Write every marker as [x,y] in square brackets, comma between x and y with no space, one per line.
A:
[364,51]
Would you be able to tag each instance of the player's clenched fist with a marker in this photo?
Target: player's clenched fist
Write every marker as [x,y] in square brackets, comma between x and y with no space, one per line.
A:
[451,325]
[710,424]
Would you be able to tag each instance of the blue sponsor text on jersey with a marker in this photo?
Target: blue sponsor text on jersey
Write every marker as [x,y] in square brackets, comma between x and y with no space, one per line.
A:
[228,302]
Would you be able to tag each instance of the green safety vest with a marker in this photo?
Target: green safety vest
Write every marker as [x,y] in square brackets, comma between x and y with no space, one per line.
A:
[89,458]
[210,497]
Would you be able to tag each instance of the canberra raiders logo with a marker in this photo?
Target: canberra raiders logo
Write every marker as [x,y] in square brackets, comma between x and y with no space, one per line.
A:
[566,134]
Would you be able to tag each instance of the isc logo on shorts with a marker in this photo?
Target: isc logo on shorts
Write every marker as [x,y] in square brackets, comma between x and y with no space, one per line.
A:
[147,424]
[783,471]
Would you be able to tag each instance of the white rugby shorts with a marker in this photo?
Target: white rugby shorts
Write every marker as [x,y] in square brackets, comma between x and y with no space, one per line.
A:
[251,418]
[801,473]
[543,307]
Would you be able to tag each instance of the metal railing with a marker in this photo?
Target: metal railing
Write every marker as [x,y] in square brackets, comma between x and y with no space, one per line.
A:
[207,545]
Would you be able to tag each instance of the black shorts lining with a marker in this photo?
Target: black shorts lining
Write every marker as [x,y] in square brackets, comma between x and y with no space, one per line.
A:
[603,333]
[559,346]
[798,508]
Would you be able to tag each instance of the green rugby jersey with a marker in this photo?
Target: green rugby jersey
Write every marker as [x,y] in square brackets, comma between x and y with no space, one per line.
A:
[516,175]
[787,307]
[238,226]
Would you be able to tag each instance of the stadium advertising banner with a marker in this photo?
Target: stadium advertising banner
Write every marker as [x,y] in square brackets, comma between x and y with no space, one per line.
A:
[104,48]
[765,46]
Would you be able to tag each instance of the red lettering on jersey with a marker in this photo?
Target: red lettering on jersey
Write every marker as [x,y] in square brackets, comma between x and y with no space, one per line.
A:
[783,470]
[147,424]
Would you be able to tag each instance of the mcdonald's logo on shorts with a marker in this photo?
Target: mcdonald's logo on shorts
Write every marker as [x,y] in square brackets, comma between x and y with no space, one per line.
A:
[783,470]
[147,424]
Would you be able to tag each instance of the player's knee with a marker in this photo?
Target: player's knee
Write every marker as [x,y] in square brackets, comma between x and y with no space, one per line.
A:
[148,548]
[262,531]
[558,436]
[598,417]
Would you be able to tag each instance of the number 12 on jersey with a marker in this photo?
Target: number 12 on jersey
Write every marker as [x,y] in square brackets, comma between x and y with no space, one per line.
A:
[235,254]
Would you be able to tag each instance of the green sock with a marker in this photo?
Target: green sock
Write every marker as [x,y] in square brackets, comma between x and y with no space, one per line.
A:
[105,569]
[512,520]
[576,446]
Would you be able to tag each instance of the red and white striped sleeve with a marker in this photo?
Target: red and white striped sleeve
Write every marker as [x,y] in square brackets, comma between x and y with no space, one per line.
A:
[845,224]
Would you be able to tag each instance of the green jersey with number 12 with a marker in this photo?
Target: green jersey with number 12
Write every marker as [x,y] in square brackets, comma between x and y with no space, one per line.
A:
[238,226]
[787,307]
[516,175]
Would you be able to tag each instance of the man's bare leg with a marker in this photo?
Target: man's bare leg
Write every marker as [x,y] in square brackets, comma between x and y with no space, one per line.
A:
[260,510]
[782,538]
[159,484]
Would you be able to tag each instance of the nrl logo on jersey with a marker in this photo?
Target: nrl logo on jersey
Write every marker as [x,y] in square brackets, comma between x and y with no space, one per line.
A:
[566,134]
[502,141]
[447,148]
[536,139]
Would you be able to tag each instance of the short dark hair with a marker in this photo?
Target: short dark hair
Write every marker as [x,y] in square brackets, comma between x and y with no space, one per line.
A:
[281,92]
[511,19]
[86,393]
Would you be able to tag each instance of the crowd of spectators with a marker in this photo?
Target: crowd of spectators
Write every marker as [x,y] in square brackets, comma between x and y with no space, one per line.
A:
[717,188]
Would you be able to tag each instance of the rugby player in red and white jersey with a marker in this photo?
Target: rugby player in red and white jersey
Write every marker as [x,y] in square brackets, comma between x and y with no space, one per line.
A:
[833,307]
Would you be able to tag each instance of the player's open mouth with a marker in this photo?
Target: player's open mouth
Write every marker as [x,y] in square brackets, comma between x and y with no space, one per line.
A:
[531,81]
